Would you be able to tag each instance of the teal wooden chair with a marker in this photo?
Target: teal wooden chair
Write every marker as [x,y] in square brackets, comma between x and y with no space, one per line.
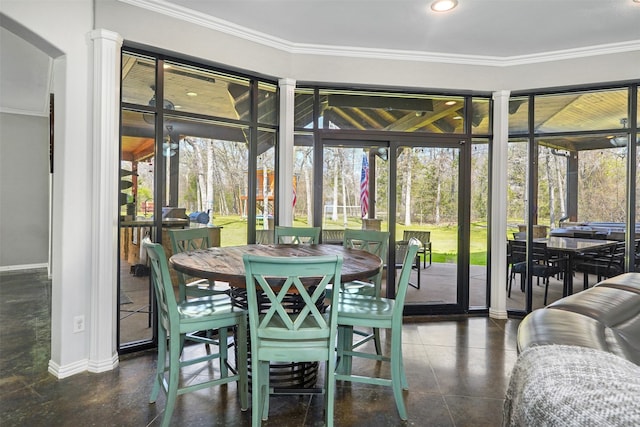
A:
[362,310]
[297,235]
[175,323]
[280,333]
[191,239]
[376,242]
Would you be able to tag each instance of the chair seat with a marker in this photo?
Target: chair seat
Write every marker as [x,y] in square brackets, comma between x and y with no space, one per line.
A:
[353,307]
[356,287]
[197,308]
[206,285]
[359,287]
[538,269]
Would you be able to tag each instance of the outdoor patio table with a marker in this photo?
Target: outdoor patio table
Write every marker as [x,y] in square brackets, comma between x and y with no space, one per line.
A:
[572,246]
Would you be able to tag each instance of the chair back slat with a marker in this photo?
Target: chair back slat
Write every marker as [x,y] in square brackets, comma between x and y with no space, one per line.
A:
[185,240]
[271,281]
[297,235]
[165,297]
[403,282]
[189,239]
[373,241]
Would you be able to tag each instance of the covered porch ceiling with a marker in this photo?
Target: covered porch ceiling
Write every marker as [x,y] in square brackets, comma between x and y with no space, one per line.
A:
[228,99]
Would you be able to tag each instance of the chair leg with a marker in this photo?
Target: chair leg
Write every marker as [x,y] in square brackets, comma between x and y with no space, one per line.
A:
[174,371]
[345,341]
[160,364]
[330,388]
[546,290]
[396,372]
[223,350]
[377,341]
[585,280]
[256,392]
[404,382]
[241,364]
[264,389]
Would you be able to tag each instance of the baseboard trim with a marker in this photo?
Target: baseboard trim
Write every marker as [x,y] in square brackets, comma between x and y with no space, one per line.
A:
[498,314]
[65,371]
[23,267]
[97,366]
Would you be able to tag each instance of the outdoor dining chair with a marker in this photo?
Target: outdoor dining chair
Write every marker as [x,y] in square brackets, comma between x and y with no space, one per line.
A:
[191,239]
[604,263]
[279,333]
[176,323]
[544,265]
[297,235]
[425,239]
[363,310]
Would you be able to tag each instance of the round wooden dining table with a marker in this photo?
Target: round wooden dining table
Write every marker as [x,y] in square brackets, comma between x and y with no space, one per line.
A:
[225,264]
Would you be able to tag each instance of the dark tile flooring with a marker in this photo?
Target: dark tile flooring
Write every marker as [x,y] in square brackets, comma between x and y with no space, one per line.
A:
[458,371]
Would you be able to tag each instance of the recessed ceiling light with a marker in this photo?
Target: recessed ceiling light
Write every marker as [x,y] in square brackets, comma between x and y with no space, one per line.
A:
[192,94]
[457,117]
[443,5]
[450,103]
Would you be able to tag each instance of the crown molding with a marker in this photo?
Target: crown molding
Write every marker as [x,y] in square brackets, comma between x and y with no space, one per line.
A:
[207,21]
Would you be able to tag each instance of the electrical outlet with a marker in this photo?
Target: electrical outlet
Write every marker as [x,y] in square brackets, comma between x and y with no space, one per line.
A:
[78,324]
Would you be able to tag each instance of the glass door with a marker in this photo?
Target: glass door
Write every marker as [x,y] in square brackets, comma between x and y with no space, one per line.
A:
[410,190]
[427,207]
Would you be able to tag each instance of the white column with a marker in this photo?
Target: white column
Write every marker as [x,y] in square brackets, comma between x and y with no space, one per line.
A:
[498,308]
[103,354]
[285,147]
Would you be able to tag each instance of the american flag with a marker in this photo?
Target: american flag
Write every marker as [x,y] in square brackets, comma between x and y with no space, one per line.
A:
[364,186]
[295,196]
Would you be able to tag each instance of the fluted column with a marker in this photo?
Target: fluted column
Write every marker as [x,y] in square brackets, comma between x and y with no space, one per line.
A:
[498,308]
[103,355]
[285,149]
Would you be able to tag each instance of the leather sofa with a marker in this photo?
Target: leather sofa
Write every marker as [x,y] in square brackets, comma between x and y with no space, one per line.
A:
[579,358]
[605,317]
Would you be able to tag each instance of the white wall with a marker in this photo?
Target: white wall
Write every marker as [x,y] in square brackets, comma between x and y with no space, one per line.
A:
[24,191]
[65,26]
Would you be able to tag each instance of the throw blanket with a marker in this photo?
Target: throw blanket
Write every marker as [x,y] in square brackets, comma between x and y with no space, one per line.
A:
[559,385]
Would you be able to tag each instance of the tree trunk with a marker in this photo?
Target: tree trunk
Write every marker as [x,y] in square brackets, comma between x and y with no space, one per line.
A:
[334,211]
[344,201]
[407,189]
[210,179]
[307,189]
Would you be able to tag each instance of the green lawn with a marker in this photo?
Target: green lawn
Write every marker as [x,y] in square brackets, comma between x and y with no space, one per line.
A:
[443,238]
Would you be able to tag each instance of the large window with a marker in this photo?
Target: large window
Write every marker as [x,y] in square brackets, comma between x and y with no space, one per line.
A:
[568,172]
[198,149]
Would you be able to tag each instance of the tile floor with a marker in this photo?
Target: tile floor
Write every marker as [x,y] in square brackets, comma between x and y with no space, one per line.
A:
[458,371]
